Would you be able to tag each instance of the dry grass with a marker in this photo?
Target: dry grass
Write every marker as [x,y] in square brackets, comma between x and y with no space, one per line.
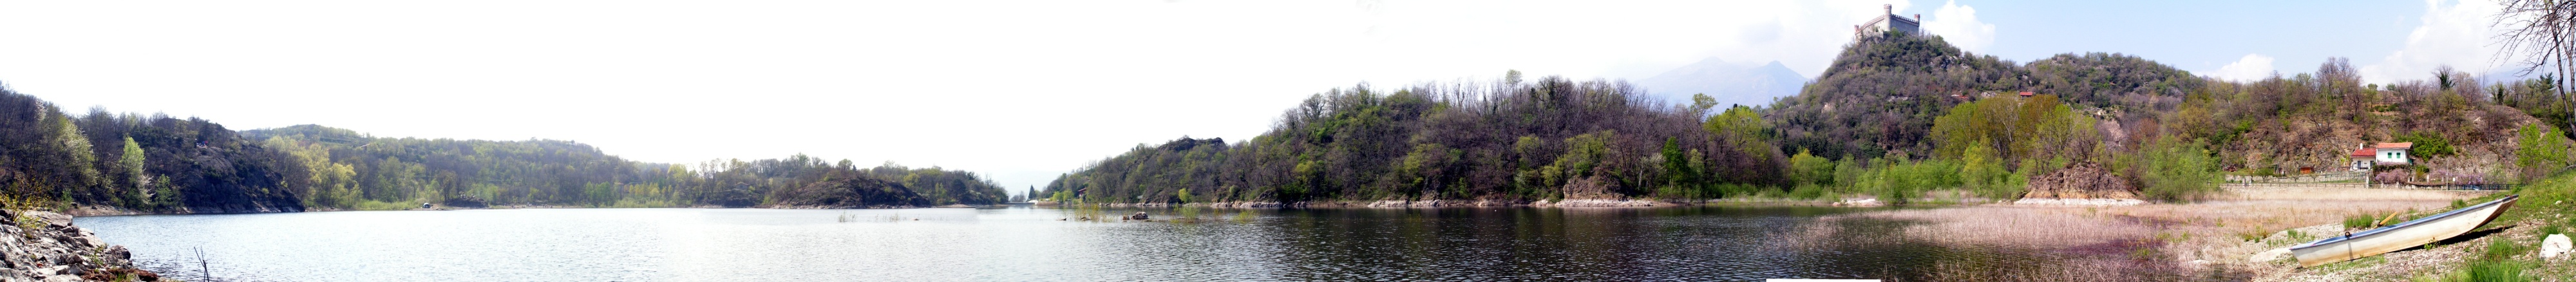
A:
[2004,243]
[2209,240]
[2073,244]
[2333,191]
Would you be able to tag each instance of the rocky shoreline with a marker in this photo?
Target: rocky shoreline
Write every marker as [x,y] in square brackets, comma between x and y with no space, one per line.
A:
[45,246]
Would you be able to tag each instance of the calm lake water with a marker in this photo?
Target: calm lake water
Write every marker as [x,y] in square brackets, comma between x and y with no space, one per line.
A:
[1013,244]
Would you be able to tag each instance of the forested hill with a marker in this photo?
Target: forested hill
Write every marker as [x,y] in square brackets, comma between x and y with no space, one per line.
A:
[1894,116]
[1884,97]
[1502,141]
[1881,93]
[166,165]
[357,170]
[154,163]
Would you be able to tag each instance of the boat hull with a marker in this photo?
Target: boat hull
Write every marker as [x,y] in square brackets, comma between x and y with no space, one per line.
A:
[2399,237]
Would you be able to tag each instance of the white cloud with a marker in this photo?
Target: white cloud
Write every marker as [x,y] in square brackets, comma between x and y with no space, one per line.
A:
[2453,33]
[1658,36]
[1959,25]
[2252,67]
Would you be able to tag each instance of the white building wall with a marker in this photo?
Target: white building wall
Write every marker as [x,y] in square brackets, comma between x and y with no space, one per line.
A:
[2392,155]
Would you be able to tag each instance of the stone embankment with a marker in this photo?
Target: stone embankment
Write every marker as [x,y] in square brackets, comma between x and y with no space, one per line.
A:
[1600,203]
[44,246]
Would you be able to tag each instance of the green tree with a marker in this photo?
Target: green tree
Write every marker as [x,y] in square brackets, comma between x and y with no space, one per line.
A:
[1808,169]
[1739,123]
[1584,153]
[2543,151]
[2173,169]
[132,162]
[77,147]
[1681,181]
[2428,144]
[1981,172]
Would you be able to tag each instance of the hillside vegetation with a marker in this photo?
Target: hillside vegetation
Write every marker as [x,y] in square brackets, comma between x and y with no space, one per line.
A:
[357,170]
[1894,116]
[141,162]
[1500,141]
[1881,94]
[159,164]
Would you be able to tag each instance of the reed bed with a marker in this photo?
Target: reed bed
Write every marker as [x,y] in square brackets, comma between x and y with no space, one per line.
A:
[2208,240]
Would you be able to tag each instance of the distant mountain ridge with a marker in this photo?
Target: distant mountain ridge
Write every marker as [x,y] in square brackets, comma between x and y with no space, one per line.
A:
[1728,82]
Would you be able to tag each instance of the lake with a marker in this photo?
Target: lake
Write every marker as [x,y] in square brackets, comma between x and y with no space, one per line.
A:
[1012,244]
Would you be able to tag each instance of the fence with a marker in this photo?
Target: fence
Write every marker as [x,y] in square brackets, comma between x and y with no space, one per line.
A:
[2352,176]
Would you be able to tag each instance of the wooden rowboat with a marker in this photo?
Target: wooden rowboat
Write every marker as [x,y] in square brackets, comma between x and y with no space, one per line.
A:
[2401,236]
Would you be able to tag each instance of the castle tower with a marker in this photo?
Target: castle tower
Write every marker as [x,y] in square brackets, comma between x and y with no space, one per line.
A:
[1888,21]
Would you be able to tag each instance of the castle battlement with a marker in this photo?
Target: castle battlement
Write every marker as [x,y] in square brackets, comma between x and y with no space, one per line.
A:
[1888,21]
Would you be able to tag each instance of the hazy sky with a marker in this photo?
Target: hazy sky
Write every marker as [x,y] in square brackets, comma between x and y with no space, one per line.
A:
[1025,90]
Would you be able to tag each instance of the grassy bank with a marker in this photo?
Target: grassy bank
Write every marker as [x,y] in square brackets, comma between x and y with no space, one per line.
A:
[2509,249]
[2506,249]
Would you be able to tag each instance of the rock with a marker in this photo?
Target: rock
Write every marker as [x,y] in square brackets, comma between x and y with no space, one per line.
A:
[60,251]
[2553,247]
[1872,202]
[1605,203]
[1139,216]
[2272,255]
[54,220]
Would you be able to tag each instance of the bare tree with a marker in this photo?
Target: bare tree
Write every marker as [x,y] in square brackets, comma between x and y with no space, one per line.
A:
[2538,31]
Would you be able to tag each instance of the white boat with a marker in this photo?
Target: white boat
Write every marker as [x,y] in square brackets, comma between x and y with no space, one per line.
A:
[2401,236]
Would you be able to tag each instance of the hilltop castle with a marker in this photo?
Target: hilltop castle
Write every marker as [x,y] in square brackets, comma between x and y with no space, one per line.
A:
[1888,22]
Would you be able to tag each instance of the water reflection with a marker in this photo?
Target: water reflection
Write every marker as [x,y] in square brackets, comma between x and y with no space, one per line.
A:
[1577,244]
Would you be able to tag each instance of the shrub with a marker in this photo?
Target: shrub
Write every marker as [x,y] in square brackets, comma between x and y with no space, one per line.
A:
[2359,221]
[1730,190]
[1805,168]
[2390,176]
[2172,169]
[1848,174]
[1899,182]
[2428,144]
[2457,177]
[2542,151]
[1981,172]
[1807,192]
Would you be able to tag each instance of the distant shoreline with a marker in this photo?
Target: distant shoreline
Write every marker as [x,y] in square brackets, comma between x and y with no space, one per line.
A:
[94,211]
[1630,203]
